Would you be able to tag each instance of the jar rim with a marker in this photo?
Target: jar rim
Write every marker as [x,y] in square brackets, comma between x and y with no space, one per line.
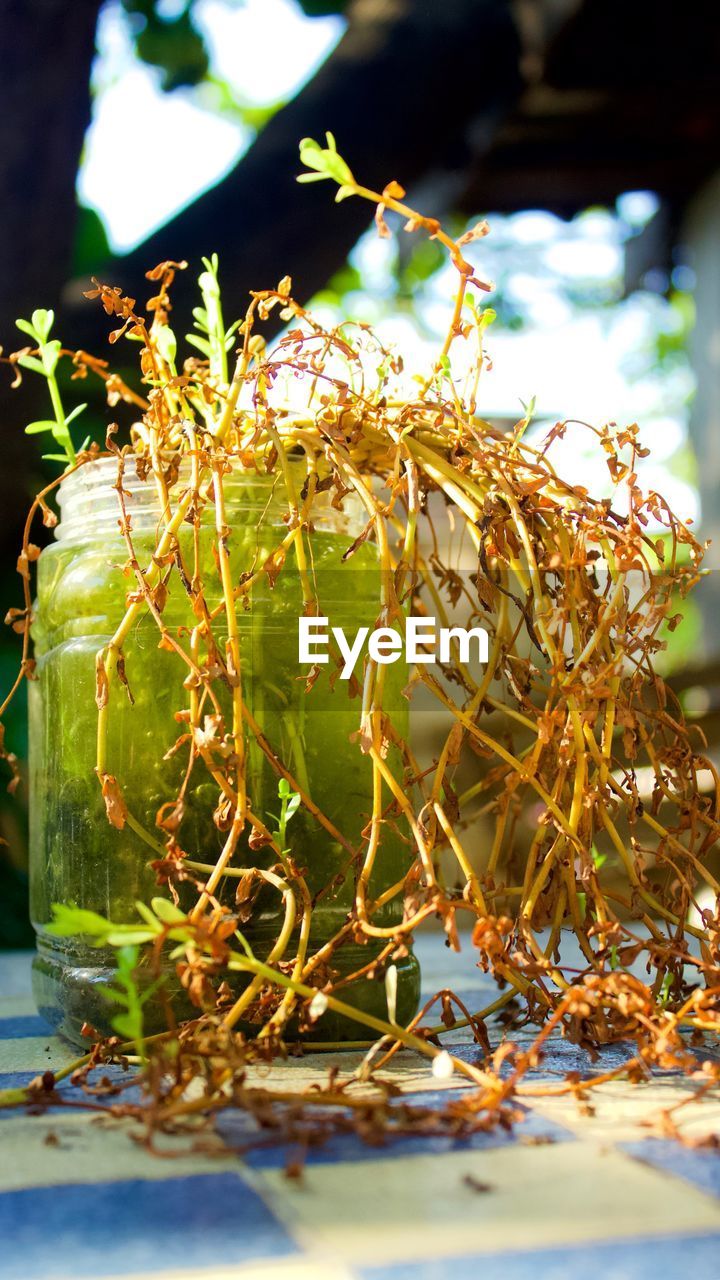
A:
[81,496]
[97,470]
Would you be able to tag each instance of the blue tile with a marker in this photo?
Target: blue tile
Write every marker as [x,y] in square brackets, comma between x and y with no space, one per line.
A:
[533,1125]
[21,1026]
[652,1258]
[69,1092]
[15,1079]
[114,1228]
[700,1167]
[710,1051]
[239,1131]
[474,999]
[557,1057]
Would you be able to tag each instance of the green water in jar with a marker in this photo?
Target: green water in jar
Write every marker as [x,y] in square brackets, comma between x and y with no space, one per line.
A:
[78,857]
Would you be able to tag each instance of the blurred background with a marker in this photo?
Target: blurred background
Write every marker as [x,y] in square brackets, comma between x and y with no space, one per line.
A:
[587,132]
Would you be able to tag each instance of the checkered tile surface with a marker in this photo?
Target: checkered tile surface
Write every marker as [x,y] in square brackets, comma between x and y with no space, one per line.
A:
[567,1195]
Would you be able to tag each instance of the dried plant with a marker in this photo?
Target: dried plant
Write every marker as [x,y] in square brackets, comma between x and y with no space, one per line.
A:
[577,750]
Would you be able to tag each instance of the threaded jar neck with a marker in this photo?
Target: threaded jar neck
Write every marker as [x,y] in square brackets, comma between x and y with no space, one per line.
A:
[90,506]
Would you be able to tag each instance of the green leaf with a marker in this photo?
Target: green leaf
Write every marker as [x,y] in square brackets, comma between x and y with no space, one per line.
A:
[166,911]
[529,407]
[148,916]
[127,1025]
[50,354]
[43,424]
[43,321]
[31,362]
[25,327]
[127,935]
[311,154]
[325,161]
[202,344]
[127,958]
[115,993]
[292,806]
[75,413]
[69,919]
[336,168]
[166,343]
[127,992]
[209,283]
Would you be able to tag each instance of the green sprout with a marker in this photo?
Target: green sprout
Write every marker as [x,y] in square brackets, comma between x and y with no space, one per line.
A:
[162,918]
[599,859]
[130,1024]
[666,990]
[289,804]
[45,363]
[213,340]
[324,162]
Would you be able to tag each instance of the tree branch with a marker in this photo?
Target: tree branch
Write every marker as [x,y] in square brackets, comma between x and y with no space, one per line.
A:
[408,91]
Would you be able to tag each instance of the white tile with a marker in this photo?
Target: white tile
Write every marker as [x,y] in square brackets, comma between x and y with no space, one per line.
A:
[90,1148]
[36,1053]
[307,1268]
[387,1210]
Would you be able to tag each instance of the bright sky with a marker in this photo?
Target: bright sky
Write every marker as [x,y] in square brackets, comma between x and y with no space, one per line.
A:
[149,153]
[595,364]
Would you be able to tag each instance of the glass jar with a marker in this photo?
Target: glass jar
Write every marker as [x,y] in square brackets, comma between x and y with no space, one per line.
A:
[77,856]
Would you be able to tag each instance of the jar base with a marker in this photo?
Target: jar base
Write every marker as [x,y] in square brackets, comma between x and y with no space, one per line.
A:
[68,991]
